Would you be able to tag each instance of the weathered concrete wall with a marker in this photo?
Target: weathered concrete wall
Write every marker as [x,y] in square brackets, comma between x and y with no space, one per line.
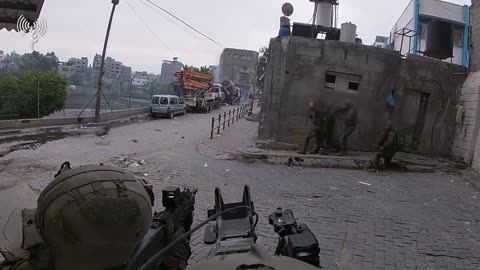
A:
[475,36]
[30,123]
[467,143]
[296,74]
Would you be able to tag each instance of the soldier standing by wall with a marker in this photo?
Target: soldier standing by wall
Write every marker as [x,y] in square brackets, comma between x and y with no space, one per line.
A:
[349,115]
[317,117]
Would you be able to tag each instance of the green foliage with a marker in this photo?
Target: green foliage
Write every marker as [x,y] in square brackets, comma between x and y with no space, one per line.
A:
[19,93]
[76,79]
[38,61]
[262,66]
[202,69]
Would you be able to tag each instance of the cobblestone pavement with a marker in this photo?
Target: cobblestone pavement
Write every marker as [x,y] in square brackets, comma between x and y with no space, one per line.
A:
[389,221]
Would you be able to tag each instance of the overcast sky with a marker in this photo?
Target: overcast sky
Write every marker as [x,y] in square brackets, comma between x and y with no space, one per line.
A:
[77,28]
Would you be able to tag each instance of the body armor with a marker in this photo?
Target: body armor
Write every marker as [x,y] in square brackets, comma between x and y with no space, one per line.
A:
[89,217]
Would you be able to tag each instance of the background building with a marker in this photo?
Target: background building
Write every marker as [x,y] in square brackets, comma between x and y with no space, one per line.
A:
[381,42]
[2,57]
[169,68]
[74,66]
[416,17]
[239,66]
[143,78]
[113,69]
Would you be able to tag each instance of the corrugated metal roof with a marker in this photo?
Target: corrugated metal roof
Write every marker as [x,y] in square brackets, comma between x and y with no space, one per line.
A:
[9,12]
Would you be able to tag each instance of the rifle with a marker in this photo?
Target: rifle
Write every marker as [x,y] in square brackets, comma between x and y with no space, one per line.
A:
[296,240]
[234,231]
[179,207]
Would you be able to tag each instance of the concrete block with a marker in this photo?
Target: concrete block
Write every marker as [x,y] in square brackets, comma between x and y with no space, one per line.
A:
[30,123]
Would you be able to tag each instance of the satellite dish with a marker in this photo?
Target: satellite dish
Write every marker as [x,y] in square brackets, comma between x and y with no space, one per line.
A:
[287,9]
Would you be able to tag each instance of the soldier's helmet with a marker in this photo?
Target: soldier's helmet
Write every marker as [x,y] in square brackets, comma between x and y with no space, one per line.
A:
[93,217]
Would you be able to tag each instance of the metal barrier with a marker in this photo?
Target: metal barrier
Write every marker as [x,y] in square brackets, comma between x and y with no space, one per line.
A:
[228,119]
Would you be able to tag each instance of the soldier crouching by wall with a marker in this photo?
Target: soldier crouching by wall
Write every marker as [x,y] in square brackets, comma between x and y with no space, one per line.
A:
[388,146]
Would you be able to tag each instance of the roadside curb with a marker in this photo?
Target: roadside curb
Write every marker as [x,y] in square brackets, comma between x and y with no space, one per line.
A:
[253,154]
[471,177]
[314,161]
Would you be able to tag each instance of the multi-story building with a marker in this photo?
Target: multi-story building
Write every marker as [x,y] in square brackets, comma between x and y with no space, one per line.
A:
[2,58]
[240,66]
[414,20]
[169,68]
[125,73]
[143,78]
[73,66]
[381,42]
[113,69]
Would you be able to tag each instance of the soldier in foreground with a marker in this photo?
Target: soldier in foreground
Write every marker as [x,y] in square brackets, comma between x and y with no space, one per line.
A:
[100,218]
[349,115]
[318,118]
[387,148]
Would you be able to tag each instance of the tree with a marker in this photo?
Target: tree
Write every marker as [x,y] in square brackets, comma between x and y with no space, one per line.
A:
[22,91]
[38,61]
[76,79]
[262,66]
[202,69]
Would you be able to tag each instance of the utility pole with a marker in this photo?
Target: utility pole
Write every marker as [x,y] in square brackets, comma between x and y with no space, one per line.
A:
[130,90]
[38,95]
[102,65]
[151,89]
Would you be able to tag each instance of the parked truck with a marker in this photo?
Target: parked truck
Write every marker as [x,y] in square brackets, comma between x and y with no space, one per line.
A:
[201,95]
[198,91]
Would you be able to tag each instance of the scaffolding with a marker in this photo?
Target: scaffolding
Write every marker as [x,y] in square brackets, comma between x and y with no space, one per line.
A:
[409,33]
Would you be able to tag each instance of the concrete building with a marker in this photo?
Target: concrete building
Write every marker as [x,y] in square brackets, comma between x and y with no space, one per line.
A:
[73,66]
[125,74]
[114,70]
[466,145]
[240,66]
[169,68]
[2,57]
[381,42]
[416,17]
[143,78]
[301,69]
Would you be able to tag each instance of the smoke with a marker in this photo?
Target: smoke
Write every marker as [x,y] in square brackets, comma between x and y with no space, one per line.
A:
[216,74]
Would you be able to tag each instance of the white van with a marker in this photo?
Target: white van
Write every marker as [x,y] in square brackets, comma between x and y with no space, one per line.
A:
[167,105]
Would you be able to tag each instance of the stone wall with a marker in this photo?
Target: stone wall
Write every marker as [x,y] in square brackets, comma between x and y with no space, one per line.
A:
[467,144]
[300,68]
[475,36]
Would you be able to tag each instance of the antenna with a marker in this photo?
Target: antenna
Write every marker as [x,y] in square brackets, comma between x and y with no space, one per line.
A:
[37,27]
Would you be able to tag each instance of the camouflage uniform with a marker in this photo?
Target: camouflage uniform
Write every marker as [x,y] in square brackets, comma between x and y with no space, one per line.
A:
[388,146]
[317,131]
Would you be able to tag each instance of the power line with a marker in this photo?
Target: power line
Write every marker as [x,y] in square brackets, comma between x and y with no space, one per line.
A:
[169,19]
[150,29]
[186,24]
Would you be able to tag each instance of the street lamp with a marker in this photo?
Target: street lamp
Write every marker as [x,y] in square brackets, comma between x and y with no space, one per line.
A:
[102,65]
